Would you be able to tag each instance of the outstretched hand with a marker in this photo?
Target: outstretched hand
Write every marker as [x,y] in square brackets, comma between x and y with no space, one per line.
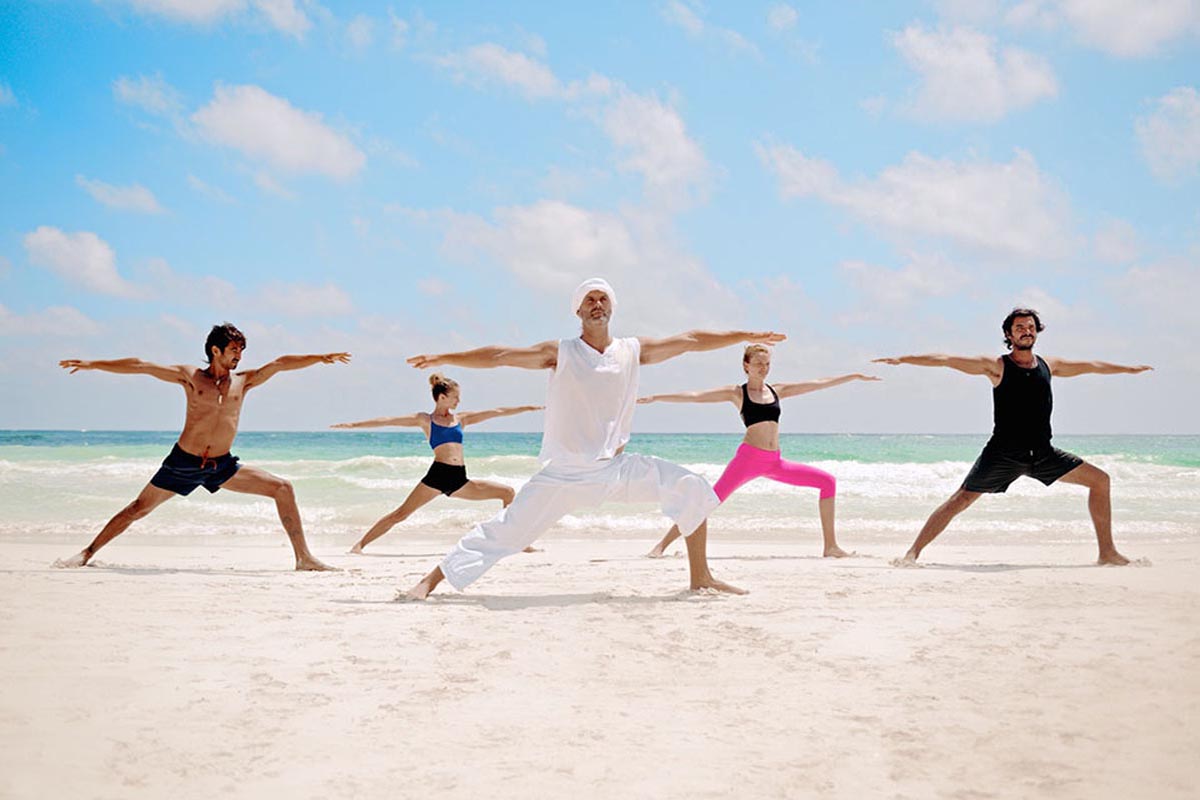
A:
[424,361]
[74,364]
[892,361]
[862,377]
[1140,368]
[641,401]
[342,425]
[338,358]
[768,337]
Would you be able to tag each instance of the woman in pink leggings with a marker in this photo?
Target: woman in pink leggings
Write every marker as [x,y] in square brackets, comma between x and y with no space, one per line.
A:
[758,455]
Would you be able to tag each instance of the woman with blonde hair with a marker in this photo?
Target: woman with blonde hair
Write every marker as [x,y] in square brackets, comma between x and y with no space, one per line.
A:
[759,454]
[448,473]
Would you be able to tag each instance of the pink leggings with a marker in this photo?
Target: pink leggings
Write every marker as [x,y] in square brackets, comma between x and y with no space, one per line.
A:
[751,462]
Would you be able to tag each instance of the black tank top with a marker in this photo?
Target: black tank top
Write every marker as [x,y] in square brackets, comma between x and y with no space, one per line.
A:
[1021,404]
[753,412]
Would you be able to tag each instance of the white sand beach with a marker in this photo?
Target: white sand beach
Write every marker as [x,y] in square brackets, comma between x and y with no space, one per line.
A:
[187,668]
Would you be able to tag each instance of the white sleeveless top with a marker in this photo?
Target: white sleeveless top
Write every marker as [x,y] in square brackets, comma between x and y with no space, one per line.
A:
[590,402]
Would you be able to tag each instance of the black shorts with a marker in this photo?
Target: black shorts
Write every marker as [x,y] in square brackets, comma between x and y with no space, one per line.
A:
[446,478]
[181,472]
[997,467]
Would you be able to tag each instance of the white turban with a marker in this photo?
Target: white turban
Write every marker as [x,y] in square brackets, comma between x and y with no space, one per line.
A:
[591,285]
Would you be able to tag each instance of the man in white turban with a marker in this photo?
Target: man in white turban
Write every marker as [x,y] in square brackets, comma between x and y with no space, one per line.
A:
[589,413]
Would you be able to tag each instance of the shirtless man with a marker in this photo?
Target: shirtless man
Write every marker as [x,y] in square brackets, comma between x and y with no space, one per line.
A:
[589,413]
[202,457]
[1020,443]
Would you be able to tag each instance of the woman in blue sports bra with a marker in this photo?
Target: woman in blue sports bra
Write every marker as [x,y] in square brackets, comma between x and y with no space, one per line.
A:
[448,473]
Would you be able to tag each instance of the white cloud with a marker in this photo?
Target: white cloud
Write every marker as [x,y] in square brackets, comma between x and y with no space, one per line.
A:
[360,32]
[489,62]
[282,15]
[81,258]
[782,17]
[654,142]
[1003,209]
[1170,135]
[211,192]
[1127,29]
[688,19]
[550,246]
[261,125]
[7,98]
[53,321]
[150,93]
[1116,242]
[966,77]
[126,198]
[198,12]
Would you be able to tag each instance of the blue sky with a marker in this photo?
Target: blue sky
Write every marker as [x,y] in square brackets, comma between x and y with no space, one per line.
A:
[391,179]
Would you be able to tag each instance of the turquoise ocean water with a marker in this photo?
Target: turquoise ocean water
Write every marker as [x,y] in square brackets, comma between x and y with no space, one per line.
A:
[68,483]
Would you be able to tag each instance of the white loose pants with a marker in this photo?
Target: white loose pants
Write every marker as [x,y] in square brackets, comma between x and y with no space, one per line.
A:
[556,491]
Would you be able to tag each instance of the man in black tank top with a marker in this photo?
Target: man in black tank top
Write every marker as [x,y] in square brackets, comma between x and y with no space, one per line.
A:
[1020,443]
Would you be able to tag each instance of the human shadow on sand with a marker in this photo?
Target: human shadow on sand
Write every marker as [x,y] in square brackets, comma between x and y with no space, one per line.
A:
[522,602]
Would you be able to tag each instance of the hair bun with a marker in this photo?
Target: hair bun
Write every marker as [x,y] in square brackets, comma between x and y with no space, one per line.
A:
[436,378]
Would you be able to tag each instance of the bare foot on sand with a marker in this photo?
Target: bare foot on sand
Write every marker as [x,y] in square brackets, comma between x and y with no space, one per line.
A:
[415,594]
[658,551]
[313,564]
[532,549]
[1114,558]
[356,550]
[80,559]
[909,560]
[711,584]
[837,552]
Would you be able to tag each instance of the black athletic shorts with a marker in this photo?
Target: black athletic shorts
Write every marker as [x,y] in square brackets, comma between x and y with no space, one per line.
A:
[998,466]
[446,478]
[181,472]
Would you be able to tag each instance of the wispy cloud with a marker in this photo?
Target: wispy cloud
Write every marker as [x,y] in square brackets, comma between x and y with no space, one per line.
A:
[689,18]
[492,63]
[150,93]
[1170,135]
[125,198]
[1008,209]
[64,321]
[7,97]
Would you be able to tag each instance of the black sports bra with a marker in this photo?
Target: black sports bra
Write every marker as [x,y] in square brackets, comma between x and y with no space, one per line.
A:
[753,412]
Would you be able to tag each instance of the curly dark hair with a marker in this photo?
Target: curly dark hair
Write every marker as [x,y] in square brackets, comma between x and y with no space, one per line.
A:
[1006,326]
[220,336]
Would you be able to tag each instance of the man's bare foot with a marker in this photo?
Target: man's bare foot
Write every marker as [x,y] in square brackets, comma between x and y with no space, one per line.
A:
[909,560]
[837,552]
[711,584]
[311,563]
[416,593]
[658,551]
[356,550]
[532,549]
[80,559]
[1114,558]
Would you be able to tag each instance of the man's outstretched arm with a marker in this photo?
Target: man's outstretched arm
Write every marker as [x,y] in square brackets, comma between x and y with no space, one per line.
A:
[132,366]
[257,377]
[1062,368]
[540,356]
[972,365]
[656,350]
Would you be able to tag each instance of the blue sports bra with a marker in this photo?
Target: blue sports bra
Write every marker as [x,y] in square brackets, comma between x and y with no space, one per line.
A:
[753,412]
[441,434]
